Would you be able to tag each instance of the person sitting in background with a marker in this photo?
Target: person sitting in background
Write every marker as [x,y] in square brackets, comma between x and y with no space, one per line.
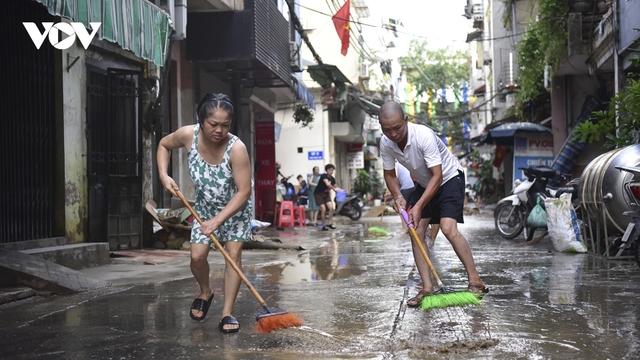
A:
[302,193]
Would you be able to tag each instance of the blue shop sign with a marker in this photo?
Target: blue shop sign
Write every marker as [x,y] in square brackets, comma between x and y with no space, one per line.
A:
[314,155]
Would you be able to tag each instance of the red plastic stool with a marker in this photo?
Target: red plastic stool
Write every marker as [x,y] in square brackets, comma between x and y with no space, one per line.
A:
[286,214]
[300,215]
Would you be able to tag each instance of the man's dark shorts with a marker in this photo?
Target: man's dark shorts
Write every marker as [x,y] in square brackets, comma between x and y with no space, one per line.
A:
[322,198]
[447,203]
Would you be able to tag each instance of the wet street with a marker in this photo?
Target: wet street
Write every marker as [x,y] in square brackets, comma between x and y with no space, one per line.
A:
[350,288]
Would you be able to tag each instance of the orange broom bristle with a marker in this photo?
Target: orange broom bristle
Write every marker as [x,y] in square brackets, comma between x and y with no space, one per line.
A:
[268,323]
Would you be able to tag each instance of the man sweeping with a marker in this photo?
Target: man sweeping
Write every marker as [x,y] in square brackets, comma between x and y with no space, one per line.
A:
[439,194]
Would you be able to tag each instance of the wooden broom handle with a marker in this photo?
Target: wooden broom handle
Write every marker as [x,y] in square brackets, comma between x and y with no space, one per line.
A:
[414,237]
[223,252]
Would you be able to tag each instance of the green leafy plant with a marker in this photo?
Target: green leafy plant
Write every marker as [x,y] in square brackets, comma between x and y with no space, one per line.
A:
[603,123]
[303,115]
[543,43]
[362,182]
[377,186]
[484,171]
[626,105]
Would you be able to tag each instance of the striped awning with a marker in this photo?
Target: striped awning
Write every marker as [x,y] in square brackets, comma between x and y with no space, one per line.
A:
[135,25]
[302,93]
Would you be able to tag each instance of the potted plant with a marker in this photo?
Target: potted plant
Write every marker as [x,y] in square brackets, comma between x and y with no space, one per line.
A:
[362,183]
[302,115]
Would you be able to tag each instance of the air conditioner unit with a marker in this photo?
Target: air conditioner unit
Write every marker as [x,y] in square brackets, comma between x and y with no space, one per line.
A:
[294,51]
[364,71]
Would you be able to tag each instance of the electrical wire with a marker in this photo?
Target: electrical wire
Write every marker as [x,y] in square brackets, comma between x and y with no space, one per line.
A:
[404,32]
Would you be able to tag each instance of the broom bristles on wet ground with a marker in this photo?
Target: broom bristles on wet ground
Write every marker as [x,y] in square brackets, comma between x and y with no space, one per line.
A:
[444,298]
[440,301]
[269,318]
[278,321]
[378,230]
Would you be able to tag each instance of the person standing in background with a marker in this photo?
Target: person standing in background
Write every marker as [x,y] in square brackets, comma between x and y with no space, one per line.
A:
[479,188]
[323,196]
[313,206]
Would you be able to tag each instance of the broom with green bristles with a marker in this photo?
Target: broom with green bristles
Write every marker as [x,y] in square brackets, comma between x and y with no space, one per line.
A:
[443,297]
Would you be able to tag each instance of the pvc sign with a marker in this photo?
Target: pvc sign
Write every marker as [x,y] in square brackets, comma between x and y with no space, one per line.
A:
[536,149]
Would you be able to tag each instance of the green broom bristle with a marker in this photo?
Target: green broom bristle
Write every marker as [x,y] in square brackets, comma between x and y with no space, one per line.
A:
[378,230]
[440,301]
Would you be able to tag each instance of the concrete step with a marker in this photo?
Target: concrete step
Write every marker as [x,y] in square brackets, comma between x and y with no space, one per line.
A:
[17,268]
[73,256]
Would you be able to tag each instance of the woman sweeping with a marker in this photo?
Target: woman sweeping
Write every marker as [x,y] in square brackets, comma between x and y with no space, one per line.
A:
[313,206]
[220,168]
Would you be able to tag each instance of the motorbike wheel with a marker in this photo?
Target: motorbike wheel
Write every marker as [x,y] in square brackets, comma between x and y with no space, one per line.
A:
[356,212]
[509,221]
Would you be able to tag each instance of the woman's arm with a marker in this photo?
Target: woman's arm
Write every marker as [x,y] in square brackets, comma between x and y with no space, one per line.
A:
[177,139]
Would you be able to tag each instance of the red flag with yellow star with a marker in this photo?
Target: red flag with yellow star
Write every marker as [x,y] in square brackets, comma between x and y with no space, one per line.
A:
[499,157]
[341,22]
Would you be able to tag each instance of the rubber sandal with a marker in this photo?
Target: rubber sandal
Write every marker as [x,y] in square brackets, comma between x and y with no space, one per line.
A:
[201,305]
[228,320]
[478,289]
[416,300]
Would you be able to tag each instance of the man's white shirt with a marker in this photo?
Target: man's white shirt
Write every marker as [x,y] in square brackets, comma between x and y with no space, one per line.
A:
[422,151]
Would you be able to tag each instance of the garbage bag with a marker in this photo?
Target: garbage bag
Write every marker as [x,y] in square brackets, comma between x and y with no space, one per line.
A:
[537,217]
[563,225]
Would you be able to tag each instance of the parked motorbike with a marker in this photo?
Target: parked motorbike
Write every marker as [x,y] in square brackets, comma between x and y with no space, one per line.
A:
[632,233]
[511,212]
[350,207]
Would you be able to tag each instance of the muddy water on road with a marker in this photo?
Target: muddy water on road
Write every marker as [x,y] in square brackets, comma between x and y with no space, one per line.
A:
[351,292]
[542,304]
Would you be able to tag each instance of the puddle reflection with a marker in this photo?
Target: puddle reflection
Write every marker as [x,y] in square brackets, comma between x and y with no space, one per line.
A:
[331,261]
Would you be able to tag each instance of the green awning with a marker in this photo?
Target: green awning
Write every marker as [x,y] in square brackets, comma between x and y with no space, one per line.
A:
[135,25]
[319,75]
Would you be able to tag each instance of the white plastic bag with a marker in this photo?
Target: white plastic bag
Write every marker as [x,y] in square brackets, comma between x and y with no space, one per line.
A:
[563,226]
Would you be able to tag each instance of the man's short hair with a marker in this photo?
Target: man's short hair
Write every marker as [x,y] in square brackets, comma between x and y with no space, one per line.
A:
[329,166]
[391,108]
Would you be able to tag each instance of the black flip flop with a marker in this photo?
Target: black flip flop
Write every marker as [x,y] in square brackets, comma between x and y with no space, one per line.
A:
[200,305]
[228,320]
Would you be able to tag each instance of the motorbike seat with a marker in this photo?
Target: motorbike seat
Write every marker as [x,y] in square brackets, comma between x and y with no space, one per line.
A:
[557,191]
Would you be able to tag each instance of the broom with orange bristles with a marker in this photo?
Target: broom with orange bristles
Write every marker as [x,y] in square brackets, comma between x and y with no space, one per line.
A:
[443,297]
[269,318]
